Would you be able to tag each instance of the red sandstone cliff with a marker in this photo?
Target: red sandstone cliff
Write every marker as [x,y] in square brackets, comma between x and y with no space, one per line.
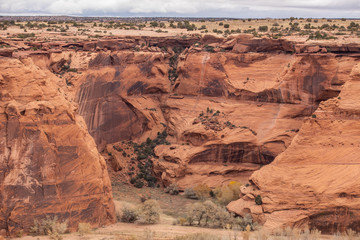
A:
[314,181]
[49,164]
[230,106]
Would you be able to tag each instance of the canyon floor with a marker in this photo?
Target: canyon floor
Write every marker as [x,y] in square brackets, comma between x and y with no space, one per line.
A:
[173,207]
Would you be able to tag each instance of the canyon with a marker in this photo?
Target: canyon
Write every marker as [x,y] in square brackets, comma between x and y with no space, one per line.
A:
[280,116]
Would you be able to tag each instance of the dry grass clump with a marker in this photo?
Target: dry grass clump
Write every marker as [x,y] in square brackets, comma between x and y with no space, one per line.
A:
[297,234]
[84,228]
[199,236]
[49,226]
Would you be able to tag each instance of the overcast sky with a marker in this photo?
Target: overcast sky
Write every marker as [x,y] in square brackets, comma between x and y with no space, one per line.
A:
[186,8]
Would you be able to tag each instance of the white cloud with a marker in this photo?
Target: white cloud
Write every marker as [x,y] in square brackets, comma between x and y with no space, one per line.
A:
[209,8]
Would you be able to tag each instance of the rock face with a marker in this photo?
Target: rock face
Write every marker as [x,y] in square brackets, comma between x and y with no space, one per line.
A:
[314,181]
[230,107]
[49,164]
[111,78]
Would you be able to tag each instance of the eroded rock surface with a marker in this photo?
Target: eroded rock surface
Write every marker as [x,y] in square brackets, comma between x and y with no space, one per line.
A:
[49,164]
[314,181]
[255,94]
[229,107]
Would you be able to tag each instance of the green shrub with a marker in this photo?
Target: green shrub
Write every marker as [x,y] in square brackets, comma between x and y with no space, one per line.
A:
[138,183]
[258,200]
[149,212]
[226,25]
[26,35]
[263,28]
[154,24]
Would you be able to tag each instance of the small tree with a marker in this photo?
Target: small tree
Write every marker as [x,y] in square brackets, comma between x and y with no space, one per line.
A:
[149,212]
[202,191]
[196,213]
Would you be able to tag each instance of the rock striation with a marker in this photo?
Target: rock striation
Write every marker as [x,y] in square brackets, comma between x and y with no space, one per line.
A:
[314,181]
[49,164]
[280,113]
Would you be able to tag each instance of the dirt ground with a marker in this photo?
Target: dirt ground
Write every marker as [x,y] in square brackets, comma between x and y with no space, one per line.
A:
[172,207]
[89,31]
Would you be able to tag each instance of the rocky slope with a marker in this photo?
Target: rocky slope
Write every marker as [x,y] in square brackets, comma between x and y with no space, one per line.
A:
[49,164]
[228,107]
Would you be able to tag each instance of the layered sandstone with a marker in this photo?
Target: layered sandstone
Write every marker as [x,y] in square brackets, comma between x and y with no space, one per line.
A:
[314,181]
[230,107]
[49,164]
[262,88]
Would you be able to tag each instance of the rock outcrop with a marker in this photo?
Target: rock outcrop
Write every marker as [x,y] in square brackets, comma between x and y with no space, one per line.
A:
[262,89]
[282,112]
[314,181]
[49,164]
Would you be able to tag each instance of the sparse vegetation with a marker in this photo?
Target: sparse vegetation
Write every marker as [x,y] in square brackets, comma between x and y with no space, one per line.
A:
[228,192]
[149,212]
[172,189]
[129,215]
[84,228]
[144,152]
[202,191]
[190,193]
[199,236]
[49,226]
[263,28]
[258,200]
[208,214]
[173,62]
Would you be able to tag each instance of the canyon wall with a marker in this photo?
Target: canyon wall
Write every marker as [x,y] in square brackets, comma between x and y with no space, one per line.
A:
[49,164]
[314,181]
[229,106]
[282,114]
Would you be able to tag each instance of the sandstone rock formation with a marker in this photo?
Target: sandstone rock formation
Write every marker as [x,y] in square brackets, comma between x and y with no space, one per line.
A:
[230,107]
[133,88]
[314,181]
[49,164]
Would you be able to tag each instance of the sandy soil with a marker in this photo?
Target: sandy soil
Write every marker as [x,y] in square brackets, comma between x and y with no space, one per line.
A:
[90,32]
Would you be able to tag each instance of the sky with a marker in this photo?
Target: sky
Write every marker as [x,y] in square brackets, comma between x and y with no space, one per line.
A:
[185,8]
